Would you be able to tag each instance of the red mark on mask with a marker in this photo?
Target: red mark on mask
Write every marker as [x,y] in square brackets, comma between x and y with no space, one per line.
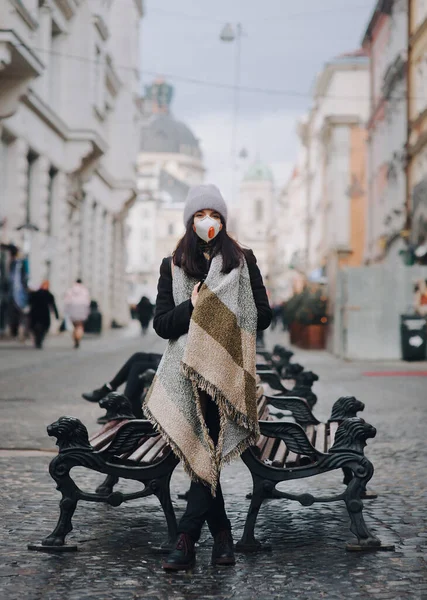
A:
[211,232]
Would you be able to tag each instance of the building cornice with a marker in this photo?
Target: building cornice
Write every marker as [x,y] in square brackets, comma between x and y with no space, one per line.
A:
[26,55]
[325,77]
[383,7]
[332,121]
[116,184]
[67,7]
[25,14]
[46,114]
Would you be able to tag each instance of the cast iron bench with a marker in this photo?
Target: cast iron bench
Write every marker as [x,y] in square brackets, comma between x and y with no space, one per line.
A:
[125,448]
[285,451]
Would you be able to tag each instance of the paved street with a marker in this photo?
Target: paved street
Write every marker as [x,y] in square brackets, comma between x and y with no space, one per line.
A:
[116,559]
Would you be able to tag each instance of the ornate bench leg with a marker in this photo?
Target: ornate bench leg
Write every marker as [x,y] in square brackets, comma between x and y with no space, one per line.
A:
[55,542]
[248,543]
[366,540]
[107,485]
[161,488]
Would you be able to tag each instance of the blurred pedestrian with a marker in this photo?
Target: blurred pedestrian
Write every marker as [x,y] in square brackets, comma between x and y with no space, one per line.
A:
[211,300]
[276,315]
[144,311]
[76,308]
[17,306]
[41,303]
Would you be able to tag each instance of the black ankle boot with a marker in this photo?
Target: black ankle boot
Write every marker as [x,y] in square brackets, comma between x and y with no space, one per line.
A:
[183,556]
[97,395]
[223,549]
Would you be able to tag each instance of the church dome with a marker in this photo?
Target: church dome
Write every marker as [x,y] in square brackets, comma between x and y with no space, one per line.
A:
[162,133]
[259,172]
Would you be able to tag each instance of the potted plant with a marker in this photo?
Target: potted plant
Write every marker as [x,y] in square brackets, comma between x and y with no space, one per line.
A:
[306,314]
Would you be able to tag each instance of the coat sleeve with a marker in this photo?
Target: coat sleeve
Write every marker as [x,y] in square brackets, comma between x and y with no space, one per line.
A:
[170,321]
[259,292]
[53,306]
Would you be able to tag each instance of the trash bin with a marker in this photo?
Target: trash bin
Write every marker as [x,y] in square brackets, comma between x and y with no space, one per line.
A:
[93,324]
[413,336]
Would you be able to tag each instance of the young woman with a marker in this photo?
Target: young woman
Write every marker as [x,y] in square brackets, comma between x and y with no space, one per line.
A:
[211,301]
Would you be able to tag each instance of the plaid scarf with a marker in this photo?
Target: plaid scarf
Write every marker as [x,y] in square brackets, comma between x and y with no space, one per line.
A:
[217,357]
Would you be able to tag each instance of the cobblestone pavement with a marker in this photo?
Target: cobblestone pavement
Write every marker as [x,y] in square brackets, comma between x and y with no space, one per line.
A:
[117,557]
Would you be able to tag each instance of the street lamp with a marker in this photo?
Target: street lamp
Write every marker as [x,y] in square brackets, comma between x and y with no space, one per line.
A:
[231,34]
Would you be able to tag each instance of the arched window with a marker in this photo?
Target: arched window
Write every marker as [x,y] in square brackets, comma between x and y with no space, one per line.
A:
[259,209]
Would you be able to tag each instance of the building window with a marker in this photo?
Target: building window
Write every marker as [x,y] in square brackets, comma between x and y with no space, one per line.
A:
[170,229]
[31,168]
[259,209]
[50,198]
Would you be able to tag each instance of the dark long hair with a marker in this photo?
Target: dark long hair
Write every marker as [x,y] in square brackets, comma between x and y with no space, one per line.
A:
[189,252]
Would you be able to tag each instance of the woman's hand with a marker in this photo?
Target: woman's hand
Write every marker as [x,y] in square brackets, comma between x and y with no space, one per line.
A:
[195,294]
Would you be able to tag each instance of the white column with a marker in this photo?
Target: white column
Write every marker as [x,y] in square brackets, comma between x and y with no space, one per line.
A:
[17,200]
[108,251]
[39,192]
[87,238]
[59,280]
[96,257]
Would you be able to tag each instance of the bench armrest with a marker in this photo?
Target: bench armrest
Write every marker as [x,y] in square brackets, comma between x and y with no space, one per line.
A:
[298,407]
[292,434]
[128,437]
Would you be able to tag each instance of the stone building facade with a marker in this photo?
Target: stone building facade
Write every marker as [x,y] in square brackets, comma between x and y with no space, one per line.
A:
[386,41]
[417,138]
[70,108]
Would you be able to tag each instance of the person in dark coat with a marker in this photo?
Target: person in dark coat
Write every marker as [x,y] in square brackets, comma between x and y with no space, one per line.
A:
[197,258]
[41,303]
[128,374]
[144,311]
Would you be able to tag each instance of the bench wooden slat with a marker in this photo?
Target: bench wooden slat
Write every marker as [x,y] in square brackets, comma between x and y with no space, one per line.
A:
[279,457]
[267,449]
[333,426]
[310,430]
[106,428]
[146,444]
[154,451]
[320,437]
[105,438]
[262,406]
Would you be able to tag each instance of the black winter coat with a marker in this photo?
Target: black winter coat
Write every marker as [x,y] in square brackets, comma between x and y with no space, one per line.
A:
[41,303]
[170,321]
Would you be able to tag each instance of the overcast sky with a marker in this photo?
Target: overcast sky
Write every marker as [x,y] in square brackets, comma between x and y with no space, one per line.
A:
[283,47]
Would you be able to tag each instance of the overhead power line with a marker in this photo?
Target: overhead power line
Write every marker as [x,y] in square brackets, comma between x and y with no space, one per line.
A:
[202,82]
[278,18]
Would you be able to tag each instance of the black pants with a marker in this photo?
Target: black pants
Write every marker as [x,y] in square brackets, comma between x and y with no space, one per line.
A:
[39,330]
[201,505]
[129,374]
[15,317]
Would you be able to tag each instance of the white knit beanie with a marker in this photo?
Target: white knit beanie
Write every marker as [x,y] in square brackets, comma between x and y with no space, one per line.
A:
[200,197]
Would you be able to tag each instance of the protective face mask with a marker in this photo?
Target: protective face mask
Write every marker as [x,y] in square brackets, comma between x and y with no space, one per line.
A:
[207,228]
